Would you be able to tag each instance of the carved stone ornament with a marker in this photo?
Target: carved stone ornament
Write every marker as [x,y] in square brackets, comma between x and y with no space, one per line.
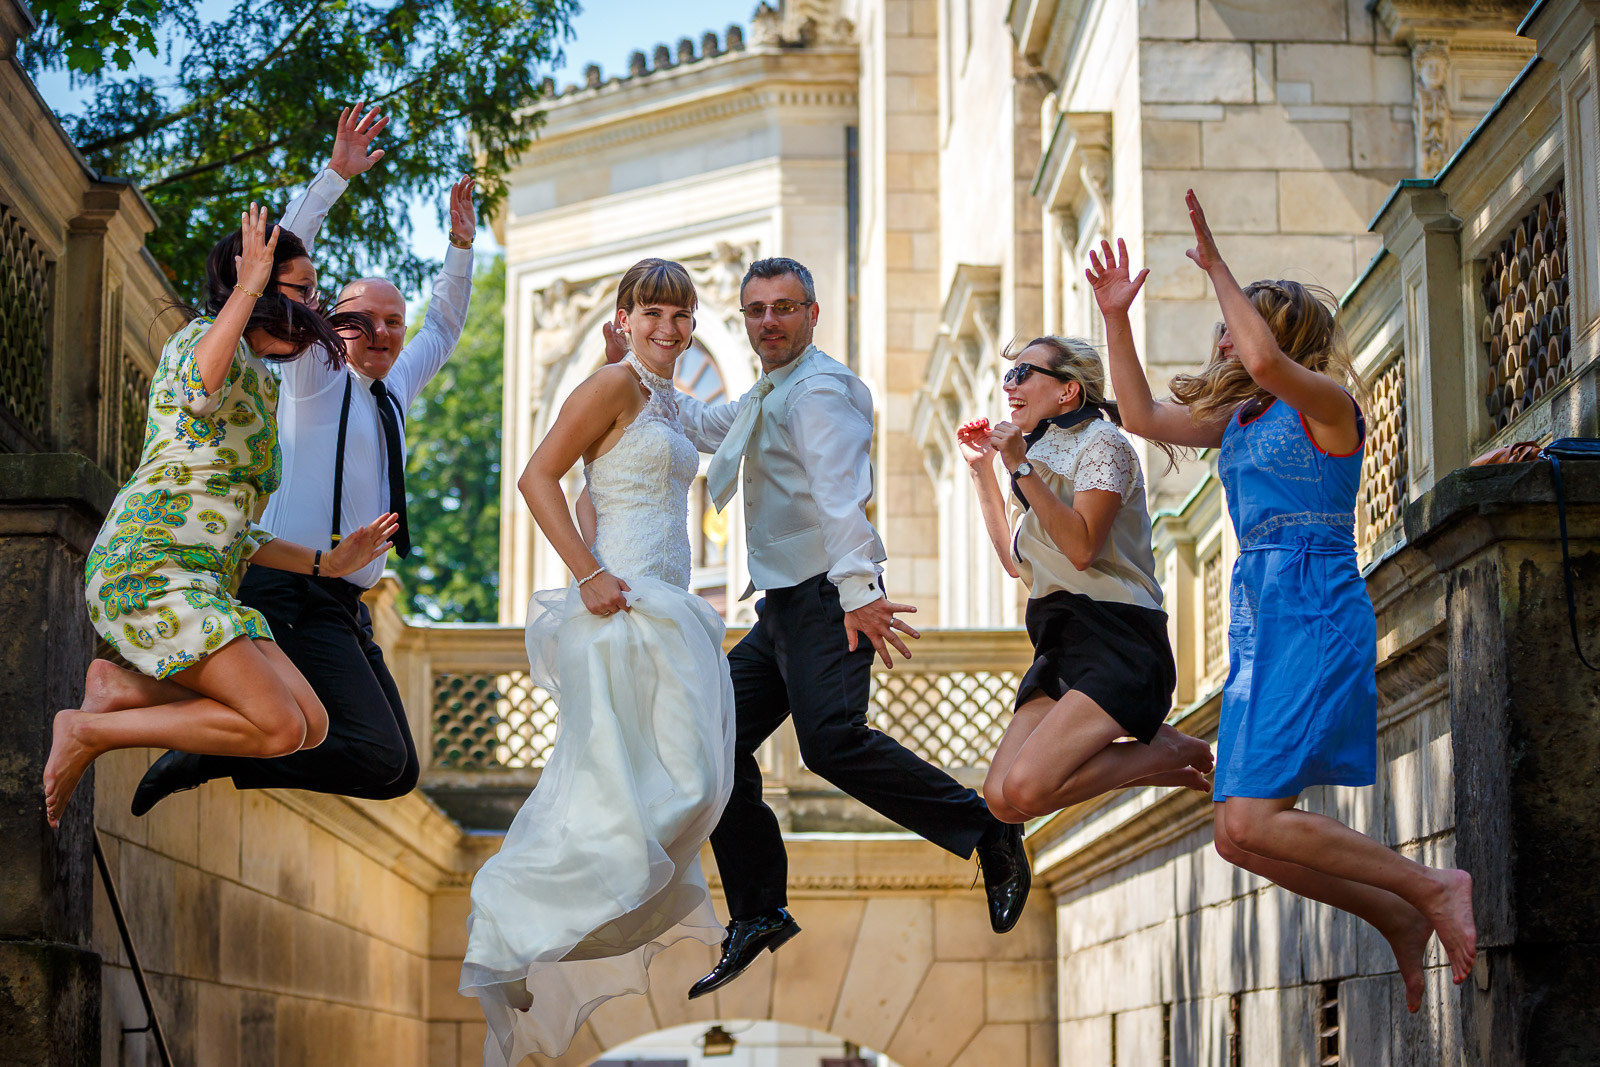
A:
[1430,64]
[717,277]
[766,26]
[559,308]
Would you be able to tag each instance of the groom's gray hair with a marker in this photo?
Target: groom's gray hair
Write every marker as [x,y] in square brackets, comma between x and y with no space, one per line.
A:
[777,267]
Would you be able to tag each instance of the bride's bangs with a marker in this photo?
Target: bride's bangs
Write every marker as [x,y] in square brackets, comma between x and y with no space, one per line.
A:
[657,281]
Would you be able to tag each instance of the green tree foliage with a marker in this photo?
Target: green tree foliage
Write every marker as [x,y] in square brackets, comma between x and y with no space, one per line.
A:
[246,104]
[453,470]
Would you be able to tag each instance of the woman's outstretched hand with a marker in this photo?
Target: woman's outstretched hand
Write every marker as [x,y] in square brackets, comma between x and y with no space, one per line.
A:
[972,438]
[602,594]
[253,268]
[362,547]
[1108,277]
[1204,253]
[352,145]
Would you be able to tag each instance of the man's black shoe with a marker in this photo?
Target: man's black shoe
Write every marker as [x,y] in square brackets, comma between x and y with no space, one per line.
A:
[1006,876]
[172,773]
[746,938]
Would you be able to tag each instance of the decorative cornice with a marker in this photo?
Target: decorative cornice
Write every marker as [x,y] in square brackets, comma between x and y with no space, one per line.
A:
[553,149]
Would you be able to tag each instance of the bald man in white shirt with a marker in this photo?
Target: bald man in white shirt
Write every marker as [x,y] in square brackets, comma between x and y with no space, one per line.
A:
[343,440]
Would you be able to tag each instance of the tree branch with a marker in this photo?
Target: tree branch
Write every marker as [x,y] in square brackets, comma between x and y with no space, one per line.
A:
[206,168]
[194,107]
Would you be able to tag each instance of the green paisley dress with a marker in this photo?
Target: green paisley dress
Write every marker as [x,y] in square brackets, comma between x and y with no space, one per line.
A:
[161,575]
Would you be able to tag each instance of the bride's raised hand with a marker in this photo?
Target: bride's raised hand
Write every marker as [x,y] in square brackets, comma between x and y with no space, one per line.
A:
[602,594]
[1114,291]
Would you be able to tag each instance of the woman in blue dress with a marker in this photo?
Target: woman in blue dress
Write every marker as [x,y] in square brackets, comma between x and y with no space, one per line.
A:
[1299,708]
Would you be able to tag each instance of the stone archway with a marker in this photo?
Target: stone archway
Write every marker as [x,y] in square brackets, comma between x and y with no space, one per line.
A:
[896,955]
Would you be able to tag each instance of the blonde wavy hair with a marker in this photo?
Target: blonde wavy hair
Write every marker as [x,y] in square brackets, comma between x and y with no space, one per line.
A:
[1077,360]
[1301,318]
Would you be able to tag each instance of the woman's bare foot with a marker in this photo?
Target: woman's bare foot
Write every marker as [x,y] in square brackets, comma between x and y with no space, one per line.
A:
[69,758]
[1409,942]
[1191,751]
[1182,778]
[1450,912]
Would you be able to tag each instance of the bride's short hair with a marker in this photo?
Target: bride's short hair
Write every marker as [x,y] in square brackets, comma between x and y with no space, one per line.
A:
[656,281]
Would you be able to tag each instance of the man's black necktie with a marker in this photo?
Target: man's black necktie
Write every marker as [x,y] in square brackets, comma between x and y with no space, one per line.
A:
[388,413]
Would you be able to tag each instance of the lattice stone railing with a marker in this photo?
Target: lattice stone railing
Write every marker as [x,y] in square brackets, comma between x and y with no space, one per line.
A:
[950,703]
[1214,612]
[132,417]
[1383,470]
[25,305]
[1526,332]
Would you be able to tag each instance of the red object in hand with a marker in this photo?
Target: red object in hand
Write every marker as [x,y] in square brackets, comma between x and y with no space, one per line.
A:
[977,425]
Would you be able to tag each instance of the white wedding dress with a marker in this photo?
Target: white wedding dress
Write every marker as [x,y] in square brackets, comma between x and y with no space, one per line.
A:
[601,868]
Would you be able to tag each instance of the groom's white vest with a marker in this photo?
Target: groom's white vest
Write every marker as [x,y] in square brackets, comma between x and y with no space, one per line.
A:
[782,529]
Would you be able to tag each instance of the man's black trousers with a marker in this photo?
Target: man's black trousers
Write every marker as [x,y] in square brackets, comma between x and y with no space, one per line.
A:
[795,660]
[326,631]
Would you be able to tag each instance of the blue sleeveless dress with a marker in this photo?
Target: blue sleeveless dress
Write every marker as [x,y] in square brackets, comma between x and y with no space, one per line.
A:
[1300,707]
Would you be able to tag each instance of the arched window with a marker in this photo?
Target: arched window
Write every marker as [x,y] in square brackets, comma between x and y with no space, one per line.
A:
[699,377]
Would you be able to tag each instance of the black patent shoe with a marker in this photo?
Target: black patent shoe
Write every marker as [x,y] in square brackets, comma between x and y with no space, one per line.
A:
[1007,877]
[746,938]
[172,773]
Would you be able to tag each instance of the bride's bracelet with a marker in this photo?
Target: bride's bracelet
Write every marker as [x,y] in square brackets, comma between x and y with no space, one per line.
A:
[591,577]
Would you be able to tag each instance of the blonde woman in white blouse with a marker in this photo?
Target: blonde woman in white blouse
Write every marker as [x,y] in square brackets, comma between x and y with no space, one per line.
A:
[1080,538]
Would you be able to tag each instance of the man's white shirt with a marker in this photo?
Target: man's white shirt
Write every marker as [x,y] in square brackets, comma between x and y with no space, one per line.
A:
[829,418]
[311,396]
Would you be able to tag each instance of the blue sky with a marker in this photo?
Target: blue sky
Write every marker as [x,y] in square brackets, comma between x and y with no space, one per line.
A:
[605,32]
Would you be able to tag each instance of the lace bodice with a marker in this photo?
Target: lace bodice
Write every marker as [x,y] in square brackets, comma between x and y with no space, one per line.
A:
[640,491]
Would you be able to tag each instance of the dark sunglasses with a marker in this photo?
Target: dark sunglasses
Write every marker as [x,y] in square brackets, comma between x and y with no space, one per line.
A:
[1019,374]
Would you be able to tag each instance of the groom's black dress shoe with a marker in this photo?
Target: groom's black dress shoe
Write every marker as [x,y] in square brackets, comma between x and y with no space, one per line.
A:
[746,938]
[172,773]
[1006,875]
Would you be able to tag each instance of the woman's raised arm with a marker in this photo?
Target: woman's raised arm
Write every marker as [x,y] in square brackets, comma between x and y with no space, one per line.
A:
[1142,413]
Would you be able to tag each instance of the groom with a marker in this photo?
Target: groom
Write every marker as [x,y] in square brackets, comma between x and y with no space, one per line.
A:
[804,433]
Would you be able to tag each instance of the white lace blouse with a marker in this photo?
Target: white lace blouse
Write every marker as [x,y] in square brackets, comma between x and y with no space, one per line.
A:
[1090,455]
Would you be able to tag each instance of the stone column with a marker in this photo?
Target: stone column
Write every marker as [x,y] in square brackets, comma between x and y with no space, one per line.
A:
[50,510]
[1419,230]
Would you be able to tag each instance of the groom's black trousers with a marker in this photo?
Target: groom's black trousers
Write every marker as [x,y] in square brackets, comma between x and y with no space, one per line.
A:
[795,660]
[326,631]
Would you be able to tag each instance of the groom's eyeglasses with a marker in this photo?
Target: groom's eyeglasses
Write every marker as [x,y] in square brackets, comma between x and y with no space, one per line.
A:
[783,308]
[1019,374]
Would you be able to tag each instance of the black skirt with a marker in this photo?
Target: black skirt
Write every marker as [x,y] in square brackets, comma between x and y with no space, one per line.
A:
[1115,654]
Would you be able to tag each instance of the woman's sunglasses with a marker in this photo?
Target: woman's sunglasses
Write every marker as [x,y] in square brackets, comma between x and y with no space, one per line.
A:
[1019,374]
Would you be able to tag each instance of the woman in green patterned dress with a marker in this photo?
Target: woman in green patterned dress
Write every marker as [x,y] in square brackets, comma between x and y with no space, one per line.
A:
[161,575]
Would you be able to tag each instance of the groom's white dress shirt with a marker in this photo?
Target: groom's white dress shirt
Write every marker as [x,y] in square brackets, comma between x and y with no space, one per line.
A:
[312,395]
[807,477]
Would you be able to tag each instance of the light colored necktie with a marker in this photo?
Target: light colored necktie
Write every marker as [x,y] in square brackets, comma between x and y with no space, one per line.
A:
[722,474]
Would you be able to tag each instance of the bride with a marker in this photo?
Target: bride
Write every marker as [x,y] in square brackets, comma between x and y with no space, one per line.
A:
[600,869]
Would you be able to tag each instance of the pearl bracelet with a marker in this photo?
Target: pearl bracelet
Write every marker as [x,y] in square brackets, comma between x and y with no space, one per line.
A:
[591,577]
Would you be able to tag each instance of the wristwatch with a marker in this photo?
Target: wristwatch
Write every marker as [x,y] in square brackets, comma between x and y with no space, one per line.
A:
[1023,470]
[456,242]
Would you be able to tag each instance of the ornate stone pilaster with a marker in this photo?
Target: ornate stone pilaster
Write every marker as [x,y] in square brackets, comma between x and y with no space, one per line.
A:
[1430,67]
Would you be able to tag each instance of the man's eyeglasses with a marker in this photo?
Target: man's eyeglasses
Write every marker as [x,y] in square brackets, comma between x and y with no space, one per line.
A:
[308,293]
[783,308]
[1019,374]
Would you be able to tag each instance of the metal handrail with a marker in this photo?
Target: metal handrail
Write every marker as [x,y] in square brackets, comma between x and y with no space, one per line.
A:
[153,1025]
